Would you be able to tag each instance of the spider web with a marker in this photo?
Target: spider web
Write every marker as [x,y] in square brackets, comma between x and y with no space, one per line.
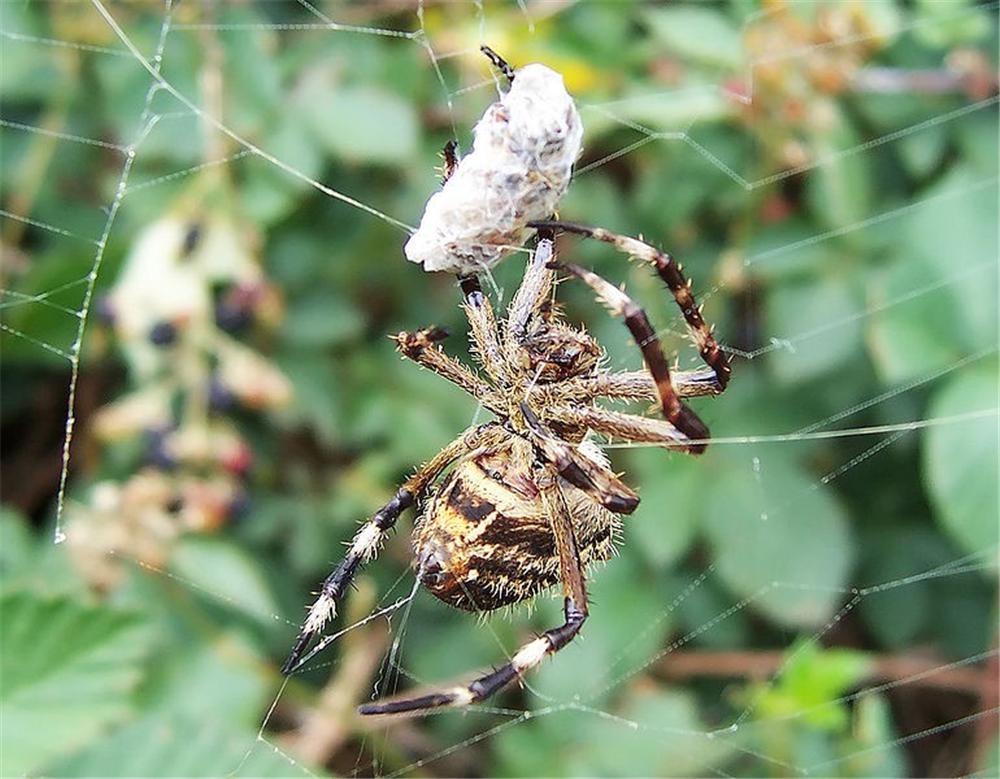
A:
[739,727]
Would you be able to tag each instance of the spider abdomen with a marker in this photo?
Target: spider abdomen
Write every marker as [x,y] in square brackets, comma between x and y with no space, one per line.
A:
[485,540]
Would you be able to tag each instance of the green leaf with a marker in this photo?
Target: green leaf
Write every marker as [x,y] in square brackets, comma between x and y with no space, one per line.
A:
[181,745]
[815,678]
[223,679]
[321,319]
[896,616]
[937,301]
[673,111]
[699,34]
[658,735]
[66,672]
[226,573]
[945,25]
[875,748]
[27,71]
[269,193]
[960,460]
[779,539]
[921,152]
[16,544]
[671,485]
[974,137]
[252,77]
[815,325]
[839,190]
[360,124]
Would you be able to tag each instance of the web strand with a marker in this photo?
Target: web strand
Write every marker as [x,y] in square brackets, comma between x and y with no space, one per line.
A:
[597,700]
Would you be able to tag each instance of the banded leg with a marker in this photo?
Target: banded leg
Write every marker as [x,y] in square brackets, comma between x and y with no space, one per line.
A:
[672,275]
[532,653]
[421,347]
[366,543]
[579,470]
[620,304]
[499,63]
[483,331]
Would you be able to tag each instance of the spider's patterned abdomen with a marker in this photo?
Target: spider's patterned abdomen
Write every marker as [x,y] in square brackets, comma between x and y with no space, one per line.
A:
[485,540]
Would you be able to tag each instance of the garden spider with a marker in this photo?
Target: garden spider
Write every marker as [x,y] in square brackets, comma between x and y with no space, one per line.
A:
[531,502]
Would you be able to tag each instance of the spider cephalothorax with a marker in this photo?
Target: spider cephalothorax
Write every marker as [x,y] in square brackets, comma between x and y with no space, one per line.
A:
[529,502]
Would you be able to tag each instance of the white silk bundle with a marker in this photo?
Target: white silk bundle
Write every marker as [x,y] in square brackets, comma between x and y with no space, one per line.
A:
[520,165]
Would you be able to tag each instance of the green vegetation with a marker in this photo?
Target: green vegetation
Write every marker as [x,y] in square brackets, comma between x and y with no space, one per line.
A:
[239,408]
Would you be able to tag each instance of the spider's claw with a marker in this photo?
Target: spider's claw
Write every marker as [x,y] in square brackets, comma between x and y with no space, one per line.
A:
[694,428]
[413,343]
[292,662]
[435,333]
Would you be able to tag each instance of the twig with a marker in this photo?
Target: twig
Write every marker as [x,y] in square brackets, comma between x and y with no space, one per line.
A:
[986,728]
[920,671]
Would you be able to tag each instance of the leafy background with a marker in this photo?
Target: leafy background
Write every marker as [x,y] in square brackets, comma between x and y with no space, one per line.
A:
[764,584]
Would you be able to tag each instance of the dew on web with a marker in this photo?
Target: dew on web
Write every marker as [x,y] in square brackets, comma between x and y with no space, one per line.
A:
[666,664]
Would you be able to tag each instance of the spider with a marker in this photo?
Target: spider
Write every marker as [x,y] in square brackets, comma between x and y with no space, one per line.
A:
[529,502]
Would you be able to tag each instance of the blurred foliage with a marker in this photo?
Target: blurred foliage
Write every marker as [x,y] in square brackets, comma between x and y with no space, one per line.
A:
[836,207]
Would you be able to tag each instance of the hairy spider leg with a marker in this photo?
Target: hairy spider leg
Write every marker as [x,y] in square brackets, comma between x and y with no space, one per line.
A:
[598,482]
[620,304]
[532,294]
[629,427]
[368,540]
[532,653]
[629,385]
[672,274]
[421,347]
[483,331]
[499,63]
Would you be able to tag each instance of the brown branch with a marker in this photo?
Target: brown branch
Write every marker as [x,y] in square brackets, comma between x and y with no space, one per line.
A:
[930,672]
[986,728]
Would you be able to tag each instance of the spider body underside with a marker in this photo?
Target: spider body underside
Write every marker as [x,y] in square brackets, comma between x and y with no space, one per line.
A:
[485,540]
[528,501]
